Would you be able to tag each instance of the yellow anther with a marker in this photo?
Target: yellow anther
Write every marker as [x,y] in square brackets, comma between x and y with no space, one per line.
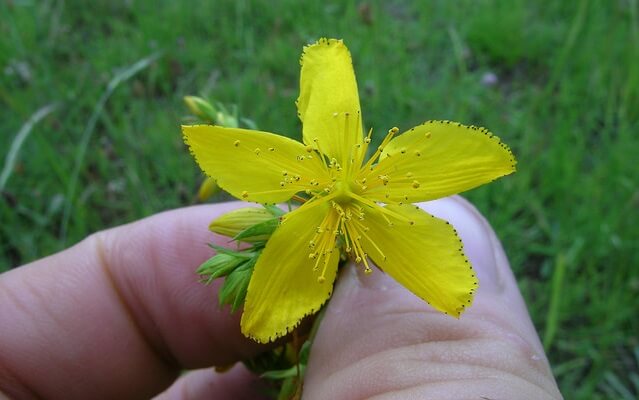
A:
[358,259]
[321,279]
[285,172]
[309,148]
[282,184]
[367,270]
[415,184]
[403,150]
[245,194]
[257,150]
[271,149]
[428,135]
[312,256]
[236,143]
[418,153]
[367,140]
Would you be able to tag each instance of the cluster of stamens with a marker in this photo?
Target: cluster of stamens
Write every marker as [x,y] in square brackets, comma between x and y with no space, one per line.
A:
[344,186]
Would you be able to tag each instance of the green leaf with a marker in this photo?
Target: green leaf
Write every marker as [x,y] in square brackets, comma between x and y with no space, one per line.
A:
[245,254]
[282,373]
[233,290]
[220,264]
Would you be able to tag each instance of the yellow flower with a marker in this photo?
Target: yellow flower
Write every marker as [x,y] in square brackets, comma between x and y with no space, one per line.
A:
[294,275]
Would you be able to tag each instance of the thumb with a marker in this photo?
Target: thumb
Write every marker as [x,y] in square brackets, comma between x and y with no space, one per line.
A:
[378,339]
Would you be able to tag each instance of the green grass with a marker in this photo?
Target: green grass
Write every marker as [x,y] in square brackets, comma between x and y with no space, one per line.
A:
[566,100]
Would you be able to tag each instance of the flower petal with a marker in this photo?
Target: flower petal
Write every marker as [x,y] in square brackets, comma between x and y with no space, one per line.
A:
[438,159]
[284,288]
[252,165]
[328,89]
[424,254]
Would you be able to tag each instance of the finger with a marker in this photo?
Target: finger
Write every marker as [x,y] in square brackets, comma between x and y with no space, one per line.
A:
[378,339]
[118,315]
[235,384]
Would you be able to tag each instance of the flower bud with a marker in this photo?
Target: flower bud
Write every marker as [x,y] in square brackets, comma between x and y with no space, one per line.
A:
[249,224]
[201,108]
[207,189]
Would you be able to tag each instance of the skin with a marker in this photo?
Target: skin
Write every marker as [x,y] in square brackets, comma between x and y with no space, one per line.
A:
[120,314]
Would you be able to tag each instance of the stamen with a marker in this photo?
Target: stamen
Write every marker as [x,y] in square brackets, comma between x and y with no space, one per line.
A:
[378,152]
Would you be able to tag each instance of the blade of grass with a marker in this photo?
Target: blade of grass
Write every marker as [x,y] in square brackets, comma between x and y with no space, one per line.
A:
[562,260]
[21,136]
[122,76]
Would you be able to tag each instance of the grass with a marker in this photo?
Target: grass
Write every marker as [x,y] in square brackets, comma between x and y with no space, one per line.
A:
[566,99]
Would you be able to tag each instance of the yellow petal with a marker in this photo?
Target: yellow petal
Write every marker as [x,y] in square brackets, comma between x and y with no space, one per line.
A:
[328,89]
[284,288]
[252,165]
[424,254]
[438,159]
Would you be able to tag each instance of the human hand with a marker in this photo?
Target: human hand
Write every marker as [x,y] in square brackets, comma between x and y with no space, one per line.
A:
[120,315]
[377,340]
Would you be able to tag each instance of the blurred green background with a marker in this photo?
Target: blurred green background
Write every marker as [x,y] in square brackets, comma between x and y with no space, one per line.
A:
[556,80]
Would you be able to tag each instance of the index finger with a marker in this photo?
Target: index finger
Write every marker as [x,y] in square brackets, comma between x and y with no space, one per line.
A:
[119,314]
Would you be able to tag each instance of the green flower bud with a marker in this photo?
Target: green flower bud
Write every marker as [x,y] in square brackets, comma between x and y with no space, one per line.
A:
[219,265]
[201,108]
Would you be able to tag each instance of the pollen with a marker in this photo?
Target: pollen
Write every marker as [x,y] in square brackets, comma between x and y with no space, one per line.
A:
[236,143]
[415,184]
[245,194]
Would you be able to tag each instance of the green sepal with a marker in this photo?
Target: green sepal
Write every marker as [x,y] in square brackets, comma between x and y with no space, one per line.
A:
[263,230]
[275,210]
